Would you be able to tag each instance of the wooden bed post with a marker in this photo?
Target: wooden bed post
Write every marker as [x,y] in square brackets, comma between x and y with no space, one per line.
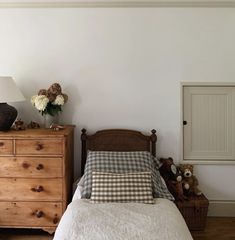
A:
[83,160]
[153,139]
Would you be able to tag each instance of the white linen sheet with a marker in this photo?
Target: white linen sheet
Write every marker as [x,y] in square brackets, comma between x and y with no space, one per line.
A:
[122,221]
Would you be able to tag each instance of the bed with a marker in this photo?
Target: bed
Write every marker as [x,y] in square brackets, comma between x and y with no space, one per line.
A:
[84,220]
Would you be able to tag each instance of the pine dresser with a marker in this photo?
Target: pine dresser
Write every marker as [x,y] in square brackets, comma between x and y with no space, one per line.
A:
[36,175]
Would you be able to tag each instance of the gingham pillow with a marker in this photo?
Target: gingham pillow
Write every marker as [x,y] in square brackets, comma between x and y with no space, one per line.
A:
[121,188]
[123,162]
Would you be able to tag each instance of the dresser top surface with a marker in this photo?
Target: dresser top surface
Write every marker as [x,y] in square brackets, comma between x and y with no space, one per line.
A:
[43,132]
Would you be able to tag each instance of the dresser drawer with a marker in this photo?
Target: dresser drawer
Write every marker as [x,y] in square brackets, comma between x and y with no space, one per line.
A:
[30,167]
[34,214]
[6,147]
[20,189]
[39,146]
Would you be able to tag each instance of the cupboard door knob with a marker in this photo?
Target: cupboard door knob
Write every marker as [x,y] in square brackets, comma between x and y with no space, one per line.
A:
[1,144]
[39,146]
[38,189]
[185,122]
[39,214]
[39,166]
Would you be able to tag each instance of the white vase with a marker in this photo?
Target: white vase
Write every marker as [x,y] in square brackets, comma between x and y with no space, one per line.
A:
[48,120]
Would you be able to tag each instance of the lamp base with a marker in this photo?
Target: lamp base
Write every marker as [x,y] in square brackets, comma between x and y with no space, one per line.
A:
[8,115]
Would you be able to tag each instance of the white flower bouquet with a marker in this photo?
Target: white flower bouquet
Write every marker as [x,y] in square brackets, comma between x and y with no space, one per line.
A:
[50,101]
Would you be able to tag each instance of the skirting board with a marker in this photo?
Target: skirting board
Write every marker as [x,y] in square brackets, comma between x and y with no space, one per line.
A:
[221,208]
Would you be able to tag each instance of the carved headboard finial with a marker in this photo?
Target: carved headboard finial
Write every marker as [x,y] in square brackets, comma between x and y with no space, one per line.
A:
[83,131]
[153,131]
[153,136]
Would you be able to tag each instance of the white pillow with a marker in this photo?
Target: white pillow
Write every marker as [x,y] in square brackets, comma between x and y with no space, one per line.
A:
[78,188]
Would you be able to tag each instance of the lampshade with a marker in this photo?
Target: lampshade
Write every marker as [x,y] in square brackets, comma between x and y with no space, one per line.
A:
[9,92]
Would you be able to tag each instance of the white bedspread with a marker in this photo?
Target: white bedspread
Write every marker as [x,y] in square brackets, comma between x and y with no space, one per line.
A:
[122,221]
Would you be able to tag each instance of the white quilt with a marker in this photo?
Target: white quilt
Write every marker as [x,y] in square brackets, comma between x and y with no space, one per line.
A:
[122,221]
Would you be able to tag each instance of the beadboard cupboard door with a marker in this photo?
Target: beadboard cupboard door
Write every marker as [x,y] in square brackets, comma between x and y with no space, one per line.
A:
[36,176]
[208,123]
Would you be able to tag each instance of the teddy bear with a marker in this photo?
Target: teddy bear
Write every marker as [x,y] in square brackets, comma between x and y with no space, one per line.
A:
[33,125]
[173,178]
[190,182]
[19,125]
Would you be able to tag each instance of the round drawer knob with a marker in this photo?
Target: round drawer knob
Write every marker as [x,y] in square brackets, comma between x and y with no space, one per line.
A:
[1,144]
[38,189]
[39,214]
[39,146]
[55,220]
[39,166]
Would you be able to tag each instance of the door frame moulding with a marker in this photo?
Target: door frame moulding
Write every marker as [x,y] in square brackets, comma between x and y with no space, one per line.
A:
[118,4]
[199,84]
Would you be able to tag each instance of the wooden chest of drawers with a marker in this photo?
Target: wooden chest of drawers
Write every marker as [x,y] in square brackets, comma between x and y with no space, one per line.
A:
[36,176]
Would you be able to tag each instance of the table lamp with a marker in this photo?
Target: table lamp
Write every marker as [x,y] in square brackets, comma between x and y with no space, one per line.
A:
[9,92]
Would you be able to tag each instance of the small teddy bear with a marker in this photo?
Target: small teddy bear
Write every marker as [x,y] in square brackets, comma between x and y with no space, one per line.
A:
[19,125]
[172,177]
[33,125]
[190,182]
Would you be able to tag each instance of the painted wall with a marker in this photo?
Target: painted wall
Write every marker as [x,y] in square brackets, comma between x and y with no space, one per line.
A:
[122,68]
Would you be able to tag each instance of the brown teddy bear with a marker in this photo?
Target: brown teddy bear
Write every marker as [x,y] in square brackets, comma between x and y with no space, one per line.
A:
[173,178]
[33,125]
[190,182]
[19,125]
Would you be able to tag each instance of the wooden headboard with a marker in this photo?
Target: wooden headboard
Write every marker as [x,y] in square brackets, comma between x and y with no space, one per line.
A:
[117,140]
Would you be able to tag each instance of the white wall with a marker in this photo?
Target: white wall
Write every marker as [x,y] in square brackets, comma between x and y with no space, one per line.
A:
[122,68]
